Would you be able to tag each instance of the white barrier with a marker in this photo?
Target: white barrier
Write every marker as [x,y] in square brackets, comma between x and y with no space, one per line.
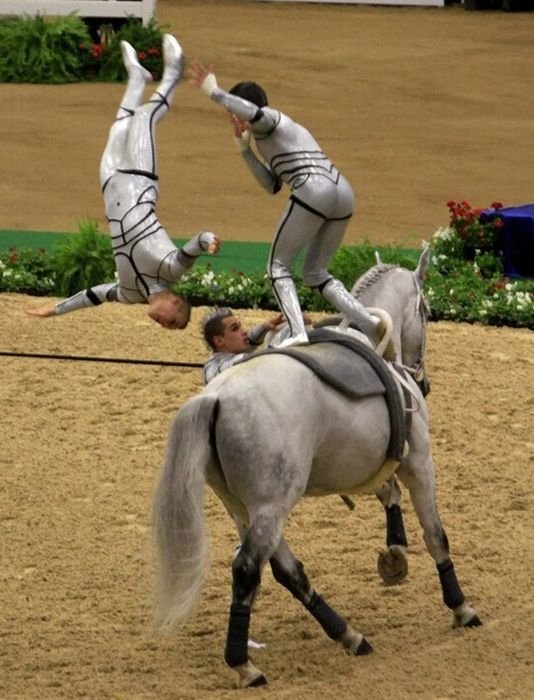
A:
[118,9]
[420,3]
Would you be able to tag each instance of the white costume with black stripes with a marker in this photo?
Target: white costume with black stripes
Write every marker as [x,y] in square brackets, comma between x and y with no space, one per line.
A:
[316,217]
[146,259]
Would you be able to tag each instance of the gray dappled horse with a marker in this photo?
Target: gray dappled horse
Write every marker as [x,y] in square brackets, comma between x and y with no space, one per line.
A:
[263,434]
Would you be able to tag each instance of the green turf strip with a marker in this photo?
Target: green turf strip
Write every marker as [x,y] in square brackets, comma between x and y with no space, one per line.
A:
[247,257]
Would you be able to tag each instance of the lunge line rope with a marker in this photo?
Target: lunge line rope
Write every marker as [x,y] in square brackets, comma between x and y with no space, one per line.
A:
[82,358]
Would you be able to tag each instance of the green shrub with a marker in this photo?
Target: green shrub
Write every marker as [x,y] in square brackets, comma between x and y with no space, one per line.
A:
[27,271]
[457,289]
[40,49]
[83,260]
[466,281]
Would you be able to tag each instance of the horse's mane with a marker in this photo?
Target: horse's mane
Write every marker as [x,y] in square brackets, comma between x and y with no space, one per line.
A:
[370,277]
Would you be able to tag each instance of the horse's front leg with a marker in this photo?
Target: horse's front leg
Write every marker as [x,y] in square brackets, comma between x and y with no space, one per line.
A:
[423,494]
[289,572]
[392,563]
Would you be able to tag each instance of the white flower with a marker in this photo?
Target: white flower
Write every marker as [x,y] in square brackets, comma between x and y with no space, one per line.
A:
[444,234]
[207,278]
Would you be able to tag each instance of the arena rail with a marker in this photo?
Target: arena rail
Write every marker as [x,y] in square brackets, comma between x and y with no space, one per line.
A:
[112,9]
[420,3]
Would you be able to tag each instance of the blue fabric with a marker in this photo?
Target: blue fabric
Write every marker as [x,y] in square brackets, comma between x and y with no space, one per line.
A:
[517,240]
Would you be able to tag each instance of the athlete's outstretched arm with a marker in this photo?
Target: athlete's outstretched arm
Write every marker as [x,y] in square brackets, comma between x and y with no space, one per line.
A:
[93,296]
[205,80]
[243,112]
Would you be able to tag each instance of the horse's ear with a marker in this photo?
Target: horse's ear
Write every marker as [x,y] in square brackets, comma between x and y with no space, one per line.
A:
[422,266]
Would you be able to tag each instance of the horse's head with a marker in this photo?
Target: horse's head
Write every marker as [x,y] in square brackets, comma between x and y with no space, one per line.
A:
[414,330]
[400,292]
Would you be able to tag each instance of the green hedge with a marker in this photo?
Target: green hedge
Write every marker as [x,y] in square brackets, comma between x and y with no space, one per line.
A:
[61,50]
[458,289]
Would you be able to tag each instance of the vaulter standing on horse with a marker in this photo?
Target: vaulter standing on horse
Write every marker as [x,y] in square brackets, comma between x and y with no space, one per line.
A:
[320,205]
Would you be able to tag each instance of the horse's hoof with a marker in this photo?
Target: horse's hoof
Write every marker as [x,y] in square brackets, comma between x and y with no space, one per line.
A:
[364,648]
[466,616]
[392,565]
[474,622]
[260,680]
[354,642]
[249,676]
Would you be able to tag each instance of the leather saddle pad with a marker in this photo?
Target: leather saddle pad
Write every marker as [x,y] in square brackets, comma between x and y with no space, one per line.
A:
[355,370]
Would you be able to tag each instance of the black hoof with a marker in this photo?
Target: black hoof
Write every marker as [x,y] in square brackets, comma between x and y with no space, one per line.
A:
[260,680]
[474,622]
[364,648]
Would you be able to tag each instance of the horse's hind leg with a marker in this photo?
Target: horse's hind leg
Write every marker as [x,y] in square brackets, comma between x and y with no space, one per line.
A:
[422,493]
[392,563]
[261,541]
[289,572]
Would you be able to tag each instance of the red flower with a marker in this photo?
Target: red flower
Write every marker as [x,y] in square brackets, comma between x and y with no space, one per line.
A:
[496,205]
[142,55]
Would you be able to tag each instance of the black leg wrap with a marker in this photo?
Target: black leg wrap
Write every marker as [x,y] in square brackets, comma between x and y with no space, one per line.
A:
[330,621]
[452,593]
[236,652]
[396,534]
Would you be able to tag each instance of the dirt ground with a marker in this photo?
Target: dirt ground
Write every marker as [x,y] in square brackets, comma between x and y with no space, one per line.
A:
[82,443]
[417,106]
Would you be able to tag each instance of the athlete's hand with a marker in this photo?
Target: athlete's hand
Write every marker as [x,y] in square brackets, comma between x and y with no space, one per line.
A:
[203,77]
[42,311]
[209,242]
[274,322]
[241,133]
[215,246]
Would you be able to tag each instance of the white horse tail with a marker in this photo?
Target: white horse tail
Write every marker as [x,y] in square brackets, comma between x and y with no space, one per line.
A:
[178,514]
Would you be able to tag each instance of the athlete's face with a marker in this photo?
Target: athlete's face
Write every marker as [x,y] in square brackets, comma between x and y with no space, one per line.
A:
[234,338]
